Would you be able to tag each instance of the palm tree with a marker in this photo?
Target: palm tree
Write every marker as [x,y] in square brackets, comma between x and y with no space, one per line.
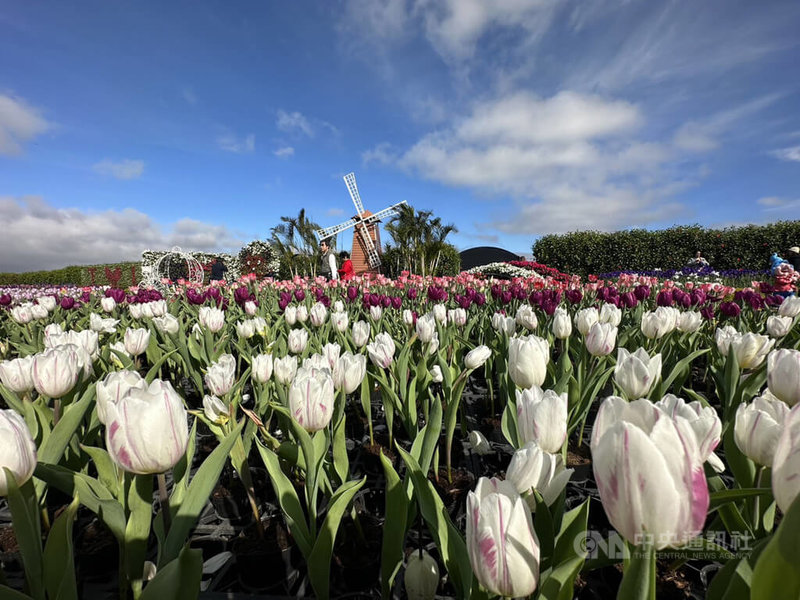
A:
[296,242]
[419,237]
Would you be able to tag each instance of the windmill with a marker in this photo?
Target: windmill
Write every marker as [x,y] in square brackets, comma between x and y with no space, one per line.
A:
[366,243]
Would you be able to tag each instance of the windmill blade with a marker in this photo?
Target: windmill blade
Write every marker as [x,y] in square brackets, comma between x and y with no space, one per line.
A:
[373,256]
[331,231]
[350,181]
[384,213]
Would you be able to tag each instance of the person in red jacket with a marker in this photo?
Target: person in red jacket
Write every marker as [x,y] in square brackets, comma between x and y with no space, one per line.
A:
[346,270]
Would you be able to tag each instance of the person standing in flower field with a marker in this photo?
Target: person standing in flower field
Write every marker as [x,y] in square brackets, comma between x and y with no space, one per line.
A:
[794,257]
[328,261]
[218,269]
[698,260]
[346,271]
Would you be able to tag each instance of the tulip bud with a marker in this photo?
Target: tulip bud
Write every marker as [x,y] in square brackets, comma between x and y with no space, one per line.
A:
[349,371]
[723,338]
[601,339]
[503,324]
[381,351]
[167,324]
[408,318]
[457,316]
[790,307]
[215,410]
[136,310]
[22,314]
[433,346]
[290,315]
[47,302]
[778,326]
[759,426]
[136,341]
[250,308]
[649,472]
[526,318]
[703,421]
[297,340]
[636,373]
[502,545]
[562,325]
[476,357]
[55,371]
[331,353]
[479,443]
[689,321]
[17,374]
[426,327]
[261,368]
[101,325]
[531,468]
[751,349]
[158,308]
[360,333]
[783,375]
[316,361]
[108,304]
[436,374]
[542,418]
[585,318]
[375,312]
[338,306]
[17,450]
[440,313]
[527,360]
[140,417]
[340,321]
[221,375]
[319,314]
[120,348]
[610,313]
[39,312]
[421,578]
[115,385]
[285,369]
[658,323]
[246,329]
[302,313]
[211,318]
[311,398]
[786,465]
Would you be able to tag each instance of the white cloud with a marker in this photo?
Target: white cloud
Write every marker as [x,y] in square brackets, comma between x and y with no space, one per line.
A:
[789,154]
[37,235]
[770,201]
[777,204]
[122,169]
[239,145]
[334,212]
[294,122]
[569,161]
[284,152]
[19,123]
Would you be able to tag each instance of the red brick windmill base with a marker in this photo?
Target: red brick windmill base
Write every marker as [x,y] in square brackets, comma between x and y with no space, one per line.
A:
[359,254]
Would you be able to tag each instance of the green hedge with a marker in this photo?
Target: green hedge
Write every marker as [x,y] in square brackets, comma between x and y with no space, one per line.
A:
[588,252]
[122,274]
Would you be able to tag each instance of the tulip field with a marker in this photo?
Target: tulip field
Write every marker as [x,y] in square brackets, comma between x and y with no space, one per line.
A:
[464,437]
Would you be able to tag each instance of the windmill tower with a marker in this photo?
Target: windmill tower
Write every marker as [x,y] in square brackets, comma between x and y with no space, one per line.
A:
[366,237]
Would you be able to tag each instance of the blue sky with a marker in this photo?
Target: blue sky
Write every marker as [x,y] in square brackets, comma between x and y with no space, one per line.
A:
[133,125]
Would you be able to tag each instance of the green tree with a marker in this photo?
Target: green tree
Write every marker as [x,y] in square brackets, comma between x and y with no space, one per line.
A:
[419,239]
[296,243]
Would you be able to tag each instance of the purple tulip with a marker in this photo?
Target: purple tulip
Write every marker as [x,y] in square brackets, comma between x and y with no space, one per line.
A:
[325,301]
[5,299]
[213,293]
[506,297]
[774,300]
[535,298]
[549,307]
[642,292]
[756,302]
[412,293]
[299,295]
[67,302]
[730,309]
[574,296]
[386,301]
[707,311]
[665,298]
[397,302]
[479,299]
[629,299]
[241,295]
[698,297]
[352,293]
[195,297]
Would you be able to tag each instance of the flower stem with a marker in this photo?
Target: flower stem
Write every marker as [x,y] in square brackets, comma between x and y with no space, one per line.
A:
[164,501]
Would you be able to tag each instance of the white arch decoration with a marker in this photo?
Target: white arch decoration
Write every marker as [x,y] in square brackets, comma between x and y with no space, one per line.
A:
[194,269]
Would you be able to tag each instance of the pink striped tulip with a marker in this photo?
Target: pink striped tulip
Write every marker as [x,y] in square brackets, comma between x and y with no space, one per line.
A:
[649,472]
[502,545]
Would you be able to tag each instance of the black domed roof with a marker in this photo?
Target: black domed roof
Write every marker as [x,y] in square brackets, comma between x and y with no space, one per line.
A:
[484,255]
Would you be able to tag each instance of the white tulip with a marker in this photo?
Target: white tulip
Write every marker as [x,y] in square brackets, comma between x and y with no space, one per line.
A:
[759,426]
[542,418]
[778,326]
[531,468]
[527,360]
[783,375]
[636,373]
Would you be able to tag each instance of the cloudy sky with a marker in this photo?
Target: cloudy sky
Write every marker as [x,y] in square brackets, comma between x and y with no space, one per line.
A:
[133,125]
